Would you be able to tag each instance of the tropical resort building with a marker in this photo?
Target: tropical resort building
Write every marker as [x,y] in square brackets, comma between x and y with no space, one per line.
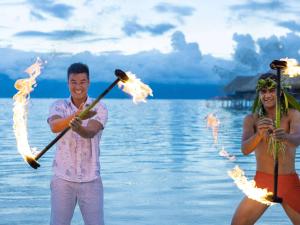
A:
[240,92]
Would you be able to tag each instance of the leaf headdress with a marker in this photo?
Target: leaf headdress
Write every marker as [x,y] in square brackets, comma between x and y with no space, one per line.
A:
[268,81]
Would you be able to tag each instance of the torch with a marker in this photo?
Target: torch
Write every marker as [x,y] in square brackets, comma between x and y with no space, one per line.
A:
[277,65]
[32,161]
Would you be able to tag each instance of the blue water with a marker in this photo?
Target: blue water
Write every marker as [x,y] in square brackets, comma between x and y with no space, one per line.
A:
[159,166]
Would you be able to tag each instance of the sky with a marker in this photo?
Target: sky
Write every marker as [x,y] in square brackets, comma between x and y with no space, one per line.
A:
[192,41]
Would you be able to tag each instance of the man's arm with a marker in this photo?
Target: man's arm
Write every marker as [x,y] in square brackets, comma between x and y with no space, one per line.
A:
[58,124]
[89,131]
[250,138]
[293,137]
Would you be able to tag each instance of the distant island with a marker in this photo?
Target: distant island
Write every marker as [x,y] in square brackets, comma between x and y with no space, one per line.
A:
[58,89]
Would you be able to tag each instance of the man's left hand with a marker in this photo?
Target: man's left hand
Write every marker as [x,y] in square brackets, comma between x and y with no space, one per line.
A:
[279,134]
[75,124]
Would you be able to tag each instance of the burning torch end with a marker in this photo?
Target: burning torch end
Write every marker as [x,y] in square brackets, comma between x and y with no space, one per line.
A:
[121,75]
[278,64]
[273,198]
[32,162]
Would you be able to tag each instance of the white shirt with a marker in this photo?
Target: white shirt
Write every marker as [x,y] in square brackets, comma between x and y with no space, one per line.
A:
[77,158]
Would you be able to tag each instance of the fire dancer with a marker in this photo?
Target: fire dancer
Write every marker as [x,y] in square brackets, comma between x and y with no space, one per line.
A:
[76,167]
[260,136]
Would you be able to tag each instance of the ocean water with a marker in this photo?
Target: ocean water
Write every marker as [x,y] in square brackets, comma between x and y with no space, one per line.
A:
[159,163]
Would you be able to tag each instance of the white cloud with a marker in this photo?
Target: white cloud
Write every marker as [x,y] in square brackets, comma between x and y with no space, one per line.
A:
[206,23]
[185,63]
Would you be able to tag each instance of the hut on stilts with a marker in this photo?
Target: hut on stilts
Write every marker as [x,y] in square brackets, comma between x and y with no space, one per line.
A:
[240,92]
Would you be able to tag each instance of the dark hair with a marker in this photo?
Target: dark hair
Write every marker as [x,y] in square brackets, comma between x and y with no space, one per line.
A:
[78,68]
[268,75]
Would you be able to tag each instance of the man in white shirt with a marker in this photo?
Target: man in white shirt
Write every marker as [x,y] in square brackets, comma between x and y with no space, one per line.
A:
[76,167]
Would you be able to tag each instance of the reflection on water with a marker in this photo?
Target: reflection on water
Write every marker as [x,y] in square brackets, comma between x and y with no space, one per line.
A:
[159,165]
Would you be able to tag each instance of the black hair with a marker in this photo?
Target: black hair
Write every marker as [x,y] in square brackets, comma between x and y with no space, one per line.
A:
[268,75]
[78,68]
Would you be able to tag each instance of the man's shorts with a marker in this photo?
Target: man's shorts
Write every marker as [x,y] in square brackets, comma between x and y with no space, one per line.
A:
[288,187]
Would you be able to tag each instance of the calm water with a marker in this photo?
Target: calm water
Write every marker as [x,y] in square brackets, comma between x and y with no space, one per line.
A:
[159,166]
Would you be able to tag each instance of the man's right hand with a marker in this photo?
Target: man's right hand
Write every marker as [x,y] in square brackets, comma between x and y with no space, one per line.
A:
[265,127]
[90,114]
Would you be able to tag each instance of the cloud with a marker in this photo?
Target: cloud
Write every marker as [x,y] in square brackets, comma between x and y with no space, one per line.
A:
[291,25]
[265,10]
[11,3]
[54,35]
[4,27]
[132,27]
[87,2]
[245,51]
[278,47]
[254,6]
[61,11]
[98,39]
[109,10]
[254,56]
[37,15]
[185,64]
[171,8]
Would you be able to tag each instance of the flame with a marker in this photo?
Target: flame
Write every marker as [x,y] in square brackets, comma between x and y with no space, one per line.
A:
[213,123]
[225,154]
[21,99]
[292,69]
[249,187]
[134,87]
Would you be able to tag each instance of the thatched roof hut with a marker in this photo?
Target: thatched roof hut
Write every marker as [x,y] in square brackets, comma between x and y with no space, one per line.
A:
[236,85]
[243,87]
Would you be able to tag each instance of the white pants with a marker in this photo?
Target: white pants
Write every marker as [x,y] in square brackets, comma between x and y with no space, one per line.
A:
[66,194]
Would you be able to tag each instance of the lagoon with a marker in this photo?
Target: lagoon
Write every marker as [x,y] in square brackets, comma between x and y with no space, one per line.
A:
[159,165]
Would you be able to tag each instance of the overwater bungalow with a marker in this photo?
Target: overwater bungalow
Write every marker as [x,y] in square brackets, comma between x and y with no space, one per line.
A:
[240,92]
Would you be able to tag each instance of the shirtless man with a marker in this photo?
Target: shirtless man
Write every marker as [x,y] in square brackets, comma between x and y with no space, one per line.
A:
[257,128]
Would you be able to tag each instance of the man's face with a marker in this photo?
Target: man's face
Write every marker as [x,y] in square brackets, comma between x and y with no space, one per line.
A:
[268,97]
[78,85]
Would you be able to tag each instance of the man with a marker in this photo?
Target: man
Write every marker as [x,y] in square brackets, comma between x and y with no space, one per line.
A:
[258,130]
[76,167]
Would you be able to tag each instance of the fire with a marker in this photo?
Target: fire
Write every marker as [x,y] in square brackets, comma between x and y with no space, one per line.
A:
[134,87]
[249,187]
[293,67]
[21,99]
[226,155]
[213,123]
